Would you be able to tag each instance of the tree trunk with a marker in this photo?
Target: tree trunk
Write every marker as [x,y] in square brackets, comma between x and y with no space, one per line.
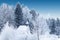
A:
[37,33]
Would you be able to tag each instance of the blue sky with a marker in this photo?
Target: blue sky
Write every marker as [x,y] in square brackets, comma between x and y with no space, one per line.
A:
[42,6]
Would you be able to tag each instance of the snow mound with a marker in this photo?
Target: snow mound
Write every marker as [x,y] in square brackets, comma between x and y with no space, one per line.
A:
[9,33]
[22,32]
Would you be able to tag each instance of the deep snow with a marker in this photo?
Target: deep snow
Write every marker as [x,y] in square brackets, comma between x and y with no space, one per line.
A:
[23,33]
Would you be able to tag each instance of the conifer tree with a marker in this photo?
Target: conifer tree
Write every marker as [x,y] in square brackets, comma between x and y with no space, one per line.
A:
[18,15]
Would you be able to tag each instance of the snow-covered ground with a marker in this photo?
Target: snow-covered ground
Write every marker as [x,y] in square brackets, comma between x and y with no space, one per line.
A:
[23,33]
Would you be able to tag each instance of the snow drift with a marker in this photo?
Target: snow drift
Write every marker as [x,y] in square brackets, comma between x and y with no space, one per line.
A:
[23,33]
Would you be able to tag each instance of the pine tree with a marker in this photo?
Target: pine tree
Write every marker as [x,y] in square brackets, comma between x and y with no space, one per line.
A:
[18,15]
[31,26]
[57,27]
[33,14]
[52,26]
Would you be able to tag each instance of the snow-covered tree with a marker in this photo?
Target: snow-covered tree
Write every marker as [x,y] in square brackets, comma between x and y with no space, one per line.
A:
[40,26]
[6,12]
[27,16]
[52,25]
[33,14]
[18,15]
[57,26]
[33,18]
